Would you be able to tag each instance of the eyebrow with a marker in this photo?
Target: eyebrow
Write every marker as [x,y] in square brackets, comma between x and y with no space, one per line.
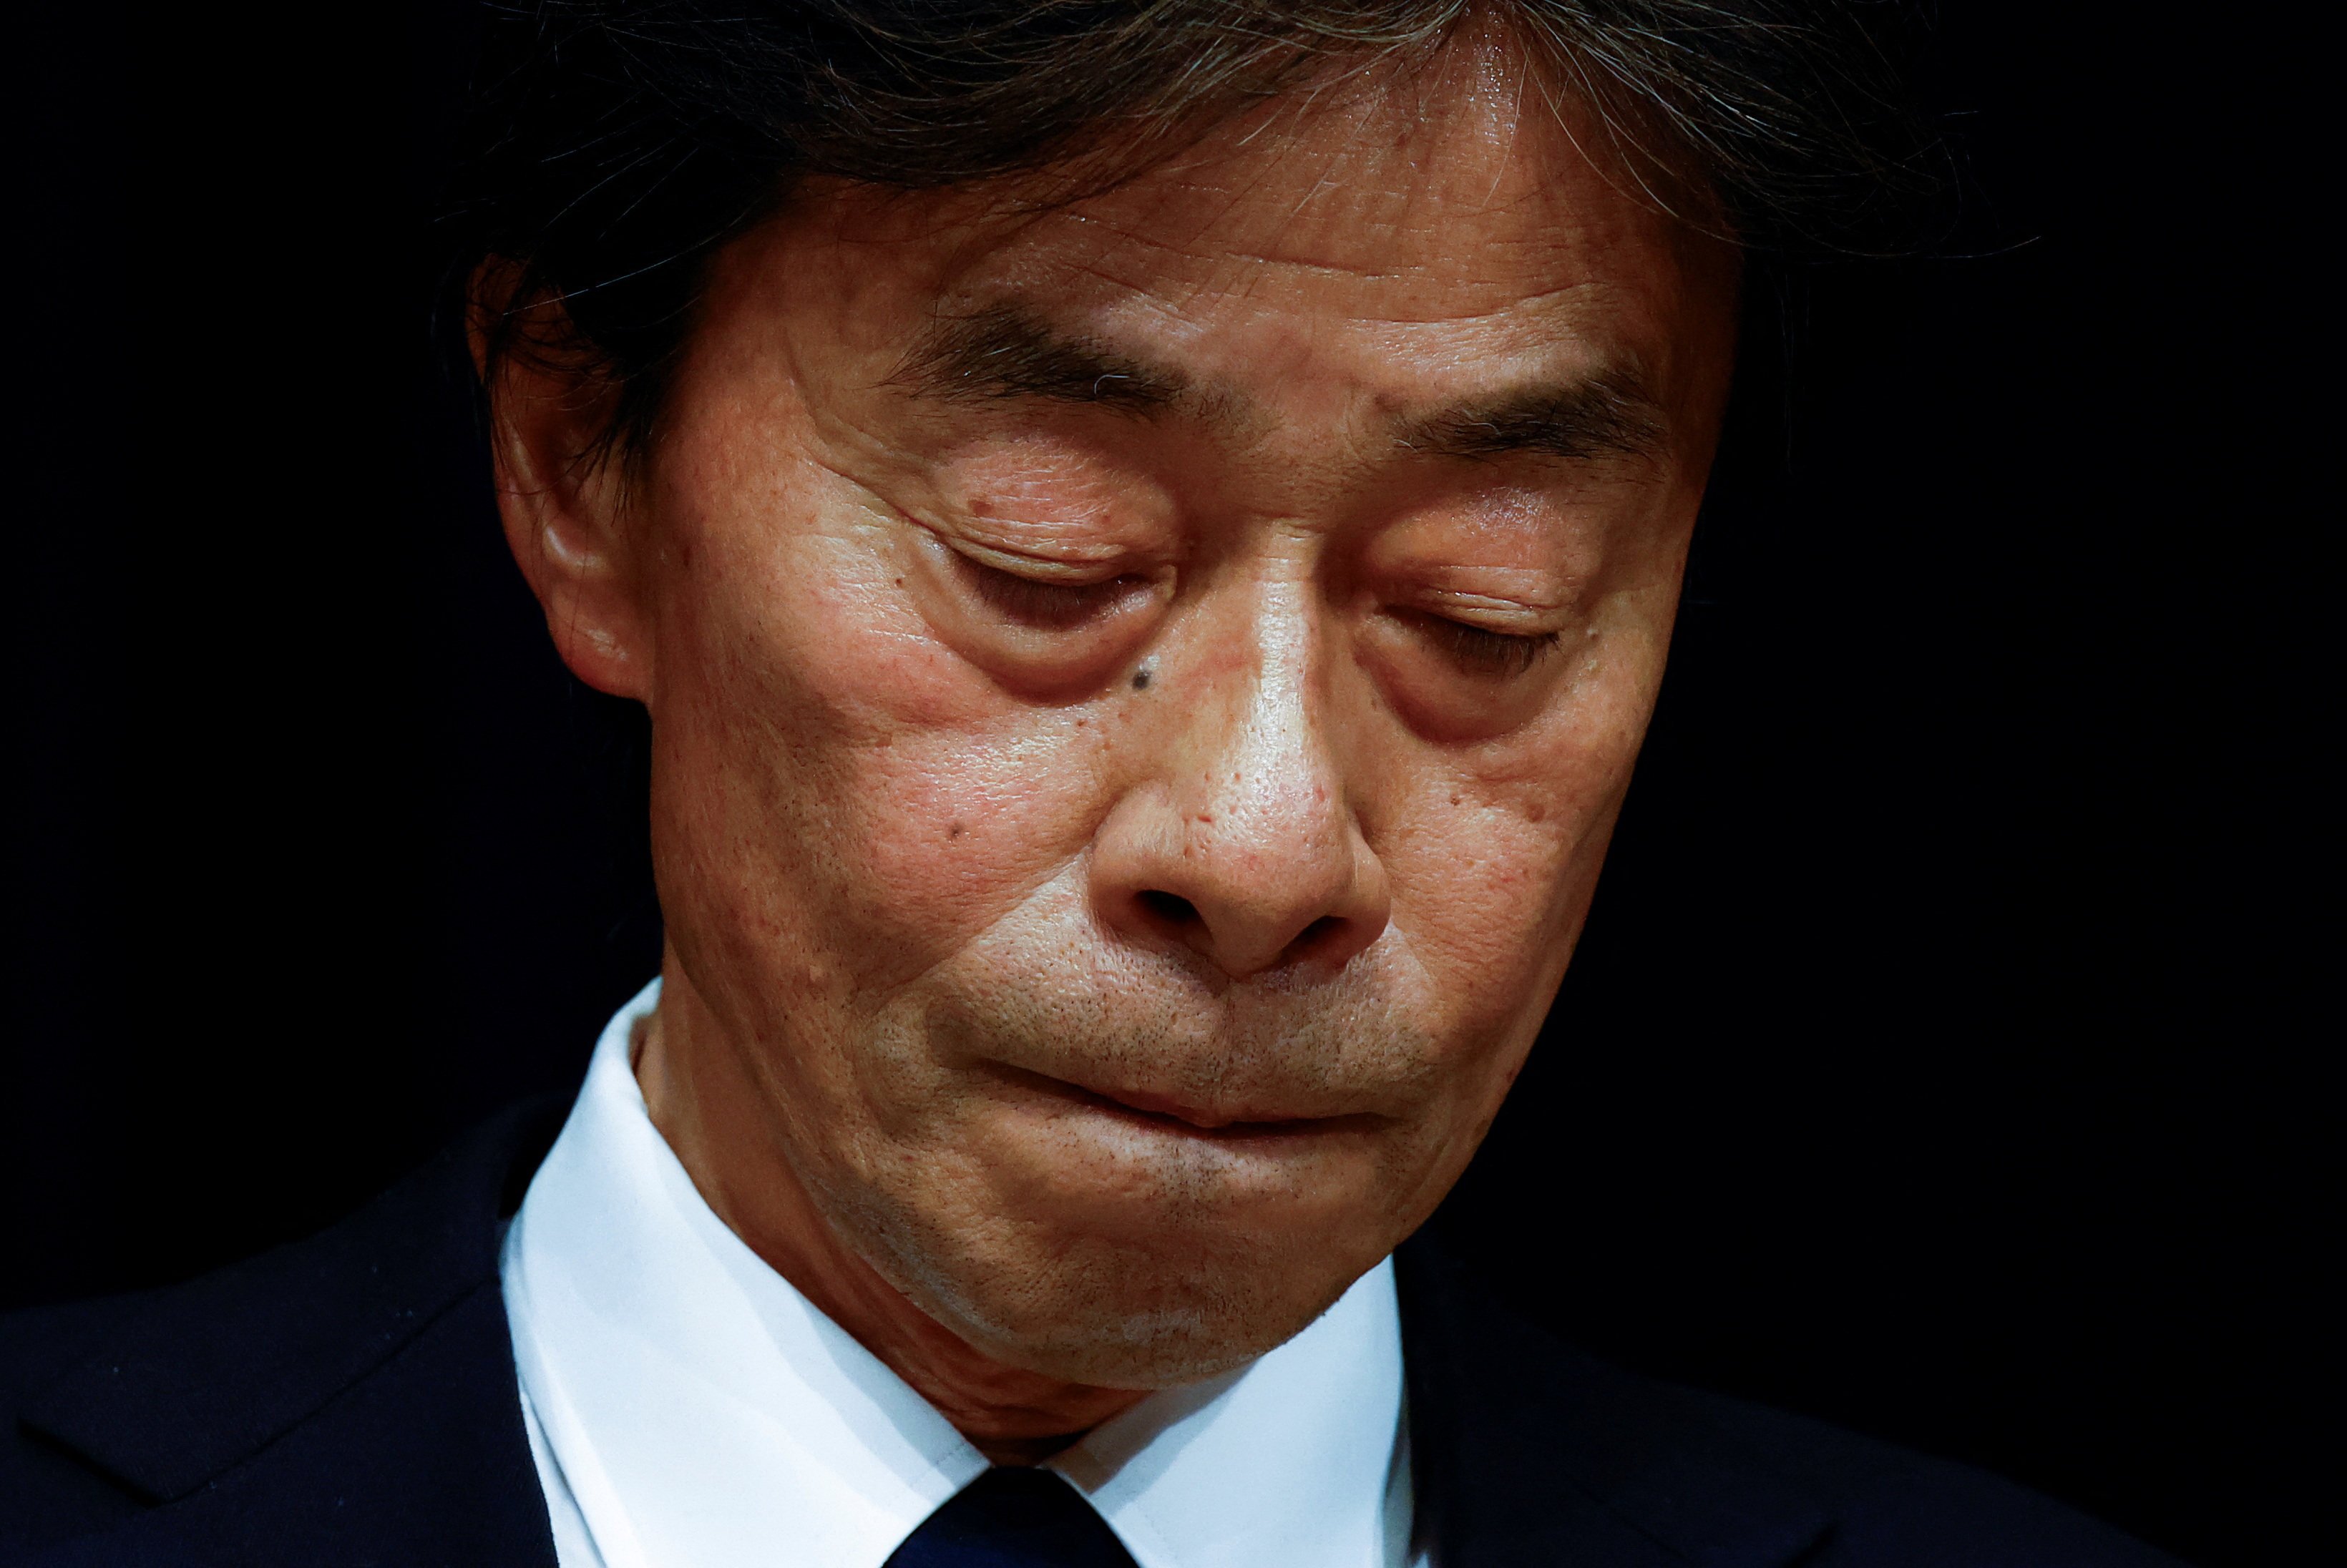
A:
[1009,351]
[1607,415]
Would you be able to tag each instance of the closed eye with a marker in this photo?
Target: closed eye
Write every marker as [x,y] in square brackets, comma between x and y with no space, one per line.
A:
[1043,606]
[1479,650]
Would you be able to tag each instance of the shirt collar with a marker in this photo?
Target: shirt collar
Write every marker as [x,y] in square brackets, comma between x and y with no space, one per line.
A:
[697,1409]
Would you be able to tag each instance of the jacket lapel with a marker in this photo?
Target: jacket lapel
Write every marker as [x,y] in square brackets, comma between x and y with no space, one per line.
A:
[350,1397]
[1528,1452]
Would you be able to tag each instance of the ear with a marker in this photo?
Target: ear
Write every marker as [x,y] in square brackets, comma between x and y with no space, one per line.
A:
[563,502]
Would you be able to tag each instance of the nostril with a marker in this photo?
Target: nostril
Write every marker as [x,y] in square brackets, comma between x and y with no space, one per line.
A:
[1172,909]
[1311,937]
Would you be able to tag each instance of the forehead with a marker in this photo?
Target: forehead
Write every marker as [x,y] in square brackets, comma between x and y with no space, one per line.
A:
[1384,227]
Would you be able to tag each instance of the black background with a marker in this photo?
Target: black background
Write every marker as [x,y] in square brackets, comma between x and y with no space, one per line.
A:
[1940,1058]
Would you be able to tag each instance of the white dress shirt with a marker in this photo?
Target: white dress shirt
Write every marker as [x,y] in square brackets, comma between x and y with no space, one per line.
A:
[689,1408]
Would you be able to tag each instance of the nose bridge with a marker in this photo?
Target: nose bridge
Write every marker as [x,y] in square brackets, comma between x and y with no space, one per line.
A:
[1259,773]
[1242,845]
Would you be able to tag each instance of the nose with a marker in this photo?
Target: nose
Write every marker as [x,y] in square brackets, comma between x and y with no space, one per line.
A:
[1239,841]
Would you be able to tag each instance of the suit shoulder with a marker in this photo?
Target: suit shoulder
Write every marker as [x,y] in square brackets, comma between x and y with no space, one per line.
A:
[1701,1476]
[138,1404]
[48,1492]
[37,1342]
[1890,1504]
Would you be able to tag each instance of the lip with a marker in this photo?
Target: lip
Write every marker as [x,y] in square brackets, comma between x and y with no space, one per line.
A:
[1164,1111]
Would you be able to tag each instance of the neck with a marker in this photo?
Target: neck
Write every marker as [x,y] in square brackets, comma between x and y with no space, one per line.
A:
[713,1114]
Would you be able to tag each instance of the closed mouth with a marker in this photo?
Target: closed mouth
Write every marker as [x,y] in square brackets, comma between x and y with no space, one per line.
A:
[1164,1111]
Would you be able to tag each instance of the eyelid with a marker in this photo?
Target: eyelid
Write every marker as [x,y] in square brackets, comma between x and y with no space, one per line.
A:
[1482,650]
[1034,568]
[1512,616]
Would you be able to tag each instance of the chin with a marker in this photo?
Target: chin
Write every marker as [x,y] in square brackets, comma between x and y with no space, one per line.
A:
[1101,1323]
[1147,1306]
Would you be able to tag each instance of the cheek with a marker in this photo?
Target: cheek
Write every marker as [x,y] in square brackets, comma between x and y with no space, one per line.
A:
[958,828]
[1496,850]
[834,785]
[1488,892]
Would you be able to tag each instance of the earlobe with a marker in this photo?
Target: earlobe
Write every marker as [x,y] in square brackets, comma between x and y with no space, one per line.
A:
[563,505]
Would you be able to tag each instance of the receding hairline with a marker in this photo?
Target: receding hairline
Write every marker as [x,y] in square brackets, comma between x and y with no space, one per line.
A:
[1472,42]
[609,191]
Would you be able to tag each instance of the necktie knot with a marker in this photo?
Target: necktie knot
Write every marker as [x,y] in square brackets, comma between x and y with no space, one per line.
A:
[1013,1517]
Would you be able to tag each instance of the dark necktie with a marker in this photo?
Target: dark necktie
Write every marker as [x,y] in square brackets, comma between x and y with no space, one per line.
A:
[1012,1517]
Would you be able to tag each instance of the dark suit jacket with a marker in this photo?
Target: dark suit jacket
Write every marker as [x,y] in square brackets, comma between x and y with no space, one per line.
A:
[351,1399]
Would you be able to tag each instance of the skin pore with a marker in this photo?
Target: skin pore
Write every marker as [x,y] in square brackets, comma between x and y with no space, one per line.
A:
[1140,688]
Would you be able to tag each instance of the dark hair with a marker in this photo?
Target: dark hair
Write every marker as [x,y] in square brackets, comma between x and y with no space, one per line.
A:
[616,144]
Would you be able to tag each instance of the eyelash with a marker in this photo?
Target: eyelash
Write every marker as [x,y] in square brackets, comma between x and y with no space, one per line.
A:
[1481,651]
[1064,607]
[1048,607]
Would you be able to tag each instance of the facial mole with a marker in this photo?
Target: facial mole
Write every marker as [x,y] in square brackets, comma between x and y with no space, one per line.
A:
[1141,679]
[953,831]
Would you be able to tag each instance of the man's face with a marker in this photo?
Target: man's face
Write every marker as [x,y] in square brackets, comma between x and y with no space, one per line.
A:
[1141,689]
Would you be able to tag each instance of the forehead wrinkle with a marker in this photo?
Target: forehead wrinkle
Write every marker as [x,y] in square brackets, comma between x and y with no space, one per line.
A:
[1528,304]
[1263,264]
[1227,208]
[1405,125]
